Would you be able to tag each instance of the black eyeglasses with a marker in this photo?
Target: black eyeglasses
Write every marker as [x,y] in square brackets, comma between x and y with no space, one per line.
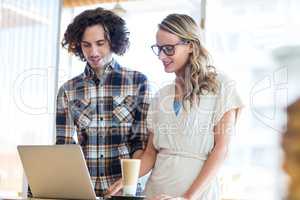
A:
[168,49]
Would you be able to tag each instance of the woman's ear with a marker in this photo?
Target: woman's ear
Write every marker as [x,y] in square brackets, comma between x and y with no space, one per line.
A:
[190,46]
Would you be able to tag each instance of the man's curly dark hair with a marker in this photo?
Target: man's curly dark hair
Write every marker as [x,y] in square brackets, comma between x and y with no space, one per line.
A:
[114,27]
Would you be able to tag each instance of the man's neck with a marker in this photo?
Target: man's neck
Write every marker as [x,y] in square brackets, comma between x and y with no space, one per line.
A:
[100,70]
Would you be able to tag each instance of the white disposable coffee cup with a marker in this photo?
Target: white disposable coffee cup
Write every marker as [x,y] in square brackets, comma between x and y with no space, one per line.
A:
[130,175]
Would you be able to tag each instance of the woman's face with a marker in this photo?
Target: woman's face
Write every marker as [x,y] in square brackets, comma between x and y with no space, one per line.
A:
[166,42]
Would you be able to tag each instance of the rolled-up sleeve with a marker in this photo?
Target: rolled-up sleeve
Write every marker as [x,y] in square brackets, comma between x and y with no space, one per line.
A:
[139,133]
[64,123]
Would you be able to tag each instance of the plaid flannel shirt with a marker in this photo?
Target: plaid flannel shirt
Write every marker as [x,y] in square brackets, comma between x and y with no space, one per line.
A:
[109,117]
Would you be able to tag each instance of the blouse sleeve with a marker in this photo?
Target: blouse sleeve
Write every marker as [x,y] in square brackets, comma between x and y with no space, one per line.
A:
[152,120]
[150,116]
[228,99]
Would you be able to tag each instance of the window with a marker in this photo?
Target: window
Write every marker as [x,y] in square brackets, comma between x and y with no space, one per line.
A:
[249,41]
[28,35]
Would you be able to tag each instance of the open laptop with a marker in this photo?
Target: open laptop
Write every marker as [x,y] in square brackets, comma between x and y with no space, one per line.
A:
[56,171]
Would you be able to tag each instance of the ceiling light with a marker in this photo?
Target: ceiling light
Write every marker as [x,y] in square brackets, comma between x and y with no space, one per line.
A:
[118,9]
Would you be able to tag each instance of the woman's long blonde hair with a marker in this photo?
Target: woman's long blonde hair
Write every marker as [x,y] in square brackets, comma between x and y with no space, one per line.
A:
[200,76]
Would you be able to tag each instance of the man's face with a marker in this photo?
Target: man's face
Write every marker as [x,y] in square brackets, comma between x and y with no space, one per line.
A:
[95,47]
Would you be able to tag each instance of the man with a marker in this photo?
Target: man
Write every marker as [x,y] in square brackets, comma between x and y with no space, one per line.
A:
[107,104]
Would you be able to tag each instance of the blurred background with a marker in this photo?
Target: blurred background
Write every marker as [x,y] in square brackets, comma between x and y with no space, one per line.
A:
[256,42]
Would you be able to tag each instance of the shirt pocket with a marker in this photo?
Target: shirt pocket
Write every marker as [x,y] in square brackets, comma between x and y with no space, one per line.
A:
[82,112]
[123,109]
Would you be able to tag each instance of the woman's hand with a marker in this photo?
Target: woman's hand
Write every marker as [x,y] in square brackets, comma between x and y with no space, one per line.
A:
[115,188]
[167,197]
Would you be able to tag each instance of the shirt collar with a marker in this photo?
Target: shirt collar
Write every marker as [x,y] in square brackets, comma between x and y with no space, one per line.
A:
[89,73]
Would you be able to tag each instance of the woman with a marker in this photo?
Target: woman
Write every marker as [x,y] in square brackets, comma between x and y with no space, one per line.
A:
[189,120]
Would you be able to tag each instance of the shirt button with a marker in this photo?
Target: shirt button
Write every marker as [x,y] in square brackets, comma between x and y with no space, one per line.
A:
[101,118]
[112,129]
[101,155]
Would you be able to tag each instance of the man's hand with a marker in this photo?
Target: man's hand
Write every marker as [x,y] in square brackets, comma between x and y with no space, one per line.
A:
[115,188]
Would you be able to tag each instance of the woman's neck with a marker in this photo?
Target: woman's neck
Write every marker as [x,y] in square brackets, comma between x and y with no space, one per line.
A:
[180,83]
[179,88]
